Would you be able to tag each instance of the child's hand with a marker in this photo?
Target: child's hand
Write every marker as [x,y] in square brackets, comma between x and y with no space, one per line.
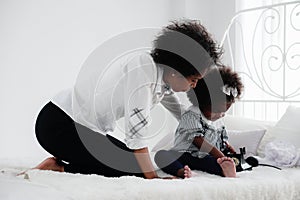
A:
[230,148]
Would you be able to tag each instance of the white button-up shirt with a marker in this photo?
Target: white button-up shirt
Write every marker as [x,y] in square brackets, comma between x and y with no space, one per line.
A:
[128,88]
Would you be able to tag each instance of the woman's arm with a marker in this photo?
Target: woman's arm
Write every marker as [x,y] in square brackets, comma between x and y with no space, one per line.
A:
[144,161]
[203,145]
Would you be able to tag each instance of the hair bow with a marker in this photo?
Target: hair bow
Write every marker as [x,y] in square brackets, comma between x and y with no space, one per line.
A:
[229,90]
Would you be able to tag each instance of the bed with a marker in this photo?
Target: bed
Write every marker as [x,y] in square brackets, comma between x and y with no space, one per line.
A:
[260,183]
[255,134]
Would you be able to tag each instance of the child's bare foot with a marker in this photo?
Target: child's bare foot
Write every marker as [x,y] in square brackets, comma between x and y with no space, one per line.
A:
[50,164]
[228,166]
[185,172]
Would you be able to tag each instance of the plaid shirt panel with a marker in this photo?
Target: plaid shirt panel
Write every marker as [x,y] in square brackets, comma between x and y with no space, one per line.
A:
[137,122]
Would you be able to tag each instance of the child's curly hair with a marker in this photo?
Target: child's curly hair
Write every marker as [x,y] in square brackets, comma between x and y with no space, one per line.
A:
[187,47]
[210,89]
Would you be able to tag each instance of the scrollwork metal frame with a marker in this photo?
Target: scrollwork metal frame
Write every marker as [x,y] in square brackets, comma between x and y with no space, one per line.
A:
[282,54]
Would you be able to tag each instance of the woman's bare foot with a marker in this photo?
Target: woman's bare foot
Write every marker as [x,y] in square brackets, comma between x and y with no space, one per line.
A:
[185,172]
[228,166]
[50,164]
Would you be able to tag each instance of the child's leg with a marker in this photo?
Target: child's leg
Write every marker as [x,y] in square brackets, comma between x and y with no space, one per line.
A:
[207,164]
[168,162]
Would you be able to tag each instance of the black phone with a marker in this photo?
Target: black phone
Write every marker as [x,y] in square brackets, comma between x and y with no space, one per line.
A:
[239,159]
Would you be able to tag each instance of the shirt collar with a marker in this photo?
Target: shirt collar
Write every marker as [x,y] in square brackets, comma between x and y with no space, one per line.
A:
[161,86]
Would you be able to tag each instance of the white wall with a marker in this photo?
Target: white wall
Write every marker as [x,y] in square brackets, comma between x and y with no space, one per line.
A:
[43,43]
[214,14]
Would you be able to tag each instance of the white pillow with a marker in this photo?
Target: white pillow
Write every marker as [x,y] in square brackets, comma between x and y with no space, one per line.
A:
[243,123]
[287,128]
[248,138]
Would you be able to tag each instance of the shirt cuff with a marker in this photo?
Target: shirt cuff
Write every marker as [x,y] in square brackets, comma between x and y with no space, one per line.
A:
[135,143]
[192,135]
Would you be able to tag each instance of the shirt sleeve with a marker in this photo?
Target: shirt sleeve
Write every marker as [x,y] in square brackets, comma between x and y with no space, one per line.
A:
[190,126]
[139,75]
[172,103]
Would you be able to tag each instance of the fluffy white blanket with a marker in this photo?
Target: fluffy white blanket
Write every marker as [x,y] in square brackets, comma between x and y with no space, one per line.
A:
[260,183]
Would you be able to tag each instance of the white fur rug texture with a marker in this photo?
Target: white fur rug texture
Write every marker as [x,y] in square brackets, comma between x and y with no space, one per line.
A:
[260,183]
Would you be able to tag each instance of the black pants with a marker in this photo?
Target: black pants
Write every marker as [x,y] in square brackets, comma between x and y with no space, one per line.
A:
[171,161]
[83,150]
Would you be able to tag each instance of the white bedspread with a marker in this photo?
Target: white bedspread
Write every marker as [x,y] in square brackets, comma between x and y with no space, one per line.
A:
[260,183]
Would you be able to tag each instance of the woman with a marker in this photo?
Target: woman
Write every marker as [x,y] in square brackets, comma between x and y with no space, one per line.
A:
[75,132]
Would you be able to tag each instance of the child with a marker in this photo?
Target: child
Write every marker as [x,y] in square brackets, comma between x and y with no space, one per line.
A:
[200,137]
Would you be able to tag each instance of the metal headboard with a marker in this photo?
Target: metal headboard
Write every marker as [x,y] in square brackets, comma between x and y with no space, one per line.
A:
[263,45]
